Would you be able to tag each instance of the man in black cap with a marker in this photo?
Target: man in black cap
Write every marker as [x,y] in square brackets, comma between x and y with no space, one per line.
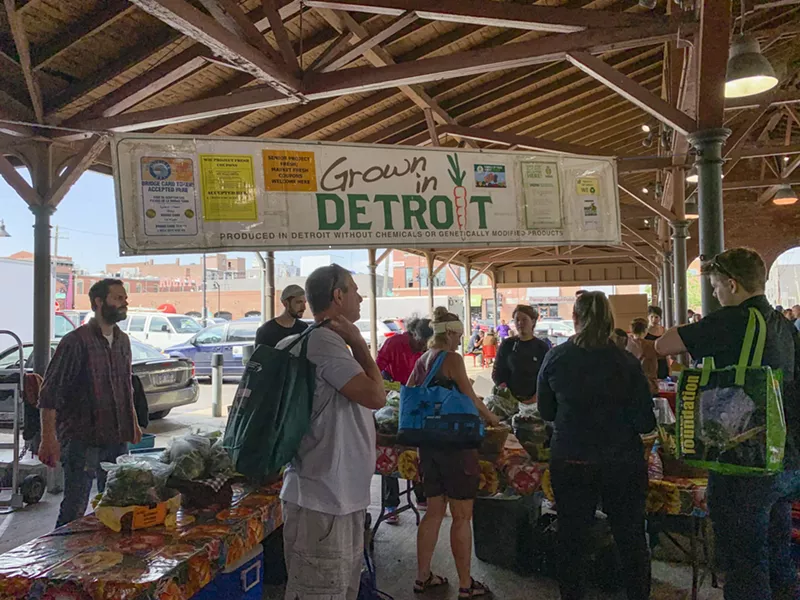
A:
[288,322]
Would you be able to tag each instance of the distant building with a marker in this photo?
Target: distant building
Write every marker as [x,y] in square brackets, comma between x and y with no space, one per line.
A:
[218,267]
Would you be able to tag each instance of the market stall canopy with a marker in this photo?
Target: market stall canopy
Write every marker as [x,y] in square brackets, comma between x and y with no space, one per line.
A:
[572,78]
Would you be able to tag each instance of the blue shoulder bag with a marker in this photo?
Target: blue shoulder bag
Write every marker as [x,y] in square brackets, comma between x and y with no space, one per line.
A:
[437,416]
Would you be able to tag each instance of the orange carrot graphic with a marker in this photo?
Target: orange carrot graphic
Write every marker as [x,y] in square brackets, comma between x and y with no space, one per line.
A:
[459,191]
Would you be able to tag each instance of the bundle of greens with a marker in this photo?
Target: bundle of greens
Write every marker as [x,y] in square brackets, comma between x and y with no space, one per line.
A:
[197,456]
[502,403]
[134,482]
[387,419]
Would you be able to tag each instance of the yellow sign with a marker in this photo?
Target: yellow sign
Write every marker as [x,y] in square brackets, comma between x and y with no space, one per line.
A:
[289,171]
[229,190]
[588,186]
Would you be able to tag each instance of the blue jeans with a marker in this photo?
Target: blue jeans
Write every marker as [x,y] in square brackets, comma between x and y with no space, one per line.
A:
[752,518]
[81,464]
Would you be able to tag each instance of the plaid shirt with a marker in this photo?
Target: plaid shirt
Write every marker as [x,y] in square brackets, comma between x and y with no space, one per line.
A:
[88,384]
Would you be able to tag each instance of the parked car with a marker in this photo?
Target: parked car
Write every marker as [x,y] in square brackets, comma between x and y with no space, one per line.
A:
[158,329]
[556,330]
[62,325]
[168,382]
[386,329]
[227,338]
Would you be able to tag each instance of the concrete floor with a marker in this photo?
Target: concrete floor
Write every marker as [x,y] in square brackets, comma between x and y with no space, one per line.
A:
[395,547]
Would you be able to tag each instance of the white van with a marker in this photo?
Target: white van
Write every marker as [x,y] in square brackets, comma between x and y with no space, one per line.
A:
[158,329]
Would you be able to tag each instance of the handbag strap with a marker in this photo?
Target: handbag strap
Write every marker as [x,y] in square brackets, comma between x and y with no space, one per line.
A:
[304,337]
[437,364]
[755,324]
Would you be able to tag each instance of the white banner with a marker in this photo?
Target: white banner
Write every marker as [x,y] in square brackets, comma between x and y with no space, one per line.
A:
[188,194]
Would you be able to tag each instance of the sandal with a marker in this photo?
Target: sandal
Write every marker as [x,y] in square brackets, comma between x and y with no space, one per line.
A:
[475,590]
[431,582]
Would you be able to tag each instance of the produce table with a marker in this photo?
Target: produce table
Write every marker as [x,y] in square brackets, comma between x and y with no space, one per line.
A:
[86,561]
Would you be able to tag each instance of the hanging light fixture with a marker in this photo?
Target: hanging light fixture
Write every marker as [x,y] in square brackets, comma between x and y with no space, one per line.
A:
[3,232]
[692,176]
[691,210]
[646,128]
[749,72]
[784,196]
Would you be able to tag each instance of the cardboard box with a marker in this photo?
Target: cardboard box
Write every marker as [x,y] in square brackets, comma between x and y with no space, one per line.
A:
[141,517]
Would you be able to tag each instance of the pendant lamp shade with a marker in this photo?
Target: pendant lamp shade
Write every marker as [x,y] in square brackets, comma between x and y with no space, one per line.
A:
[749,72]
[784,196]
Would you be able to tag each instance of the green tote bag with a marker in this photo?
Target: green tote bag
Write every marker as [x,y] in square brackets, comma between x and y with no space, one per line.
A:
[731,420]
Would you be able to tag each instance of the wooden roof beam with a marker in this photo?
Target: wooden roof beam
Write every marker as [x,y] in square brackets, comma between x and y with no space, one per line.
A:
[23,50]
[370,41]
[507,15]
[758,151]
[98,20]
[778,99]
[751,185]
[712,61]
[281,35]
[185,18]
[231,16]
[636,164]
[15,180]
[461,64]
[532,143]
[632,91]
[651,204]
[251,98]
[76,167]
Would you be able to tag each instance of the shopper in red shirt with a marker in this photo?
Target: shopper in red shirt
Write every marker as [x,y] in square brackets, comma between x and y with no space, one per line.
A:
[396,360]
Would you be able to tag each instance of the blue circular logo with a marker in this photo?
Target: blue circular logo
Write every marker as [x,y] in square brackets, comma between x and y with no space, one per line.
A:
[160,169]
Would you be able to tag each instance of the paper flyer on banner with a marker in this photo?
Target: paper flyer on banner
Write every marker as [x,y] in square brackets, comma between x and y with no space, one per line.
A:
[253,194]
[542,194]
[169,196]
[588,189]
[228,187]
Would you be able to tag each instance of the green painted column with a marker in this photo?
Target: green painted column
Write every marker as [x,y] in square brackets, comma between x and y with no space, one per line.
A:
[708,144]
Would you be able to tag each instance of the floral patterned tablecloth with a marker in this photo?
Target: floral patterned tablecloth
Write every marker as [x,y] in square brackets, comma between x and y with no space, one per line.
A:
[86,561]
[513,468]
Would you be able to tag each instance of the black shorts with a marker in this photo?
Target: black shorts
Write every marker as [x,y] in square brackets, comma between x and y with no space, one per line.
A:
[452,473]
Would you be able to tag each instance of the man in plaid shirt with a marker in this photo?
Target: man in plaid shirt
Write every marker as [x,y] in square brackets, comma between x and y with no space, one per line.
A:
[86,401]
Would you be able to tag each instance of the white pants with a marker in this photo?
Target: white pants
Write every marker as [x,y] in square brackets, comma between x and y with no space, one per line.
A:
[324,553]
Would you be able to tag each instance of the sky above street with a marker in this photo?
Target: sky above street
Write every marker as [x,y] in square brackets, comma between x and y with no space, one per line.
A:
[87,221]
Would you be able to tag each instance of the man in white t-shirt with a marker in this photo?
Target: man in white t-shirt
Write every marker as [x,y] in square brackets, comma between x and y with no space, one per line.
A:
[326,488]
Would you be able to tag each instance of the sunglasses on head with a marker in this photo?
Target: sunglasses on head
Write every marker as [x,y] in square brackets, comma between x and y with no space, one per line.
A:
[717,266]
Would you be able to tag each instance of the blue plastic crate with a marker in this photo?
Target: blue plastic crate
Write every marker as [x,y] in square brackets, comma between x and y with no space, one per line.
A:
[148,441]
[243,581]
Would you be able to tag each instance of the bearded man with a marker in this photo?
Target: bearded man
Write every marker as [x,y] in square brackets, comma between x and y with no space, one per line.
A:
[86,401]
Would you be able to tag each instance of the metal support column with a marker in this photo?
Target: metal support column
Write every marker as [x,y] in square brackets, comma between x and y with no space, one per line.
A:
[205,292]
[468,298]
[668,298]
[494,298]
[708,144]
[373,303]
[270,287]
[42,288]
[263,287]
[680,231]
[431,282]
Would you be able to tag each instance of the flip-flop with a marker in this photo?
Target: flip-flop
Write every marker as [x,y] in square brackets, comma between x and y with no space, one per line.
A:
[431,582]
[475,590]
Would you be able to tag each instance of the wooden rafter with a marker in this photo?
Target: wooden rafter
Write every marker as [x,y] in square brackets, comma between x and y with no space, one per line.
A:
[231,16]
[109,13]
[538,51]
[751,185]
[652,204]
[382,59]
[23,51]
[183,17]
[76,167]
[714,38]
[17,183]
[532,17]
[279,31]
[532,143]
[370,41]
[632,91]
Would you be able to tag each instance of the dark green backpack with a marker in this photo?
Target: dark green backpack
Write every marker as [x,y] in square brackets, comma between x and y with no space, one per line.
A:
[271,411]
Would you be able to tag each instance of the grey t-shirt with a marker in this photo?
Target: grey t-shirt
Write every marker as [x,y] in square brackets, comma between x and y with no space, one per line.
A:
[336,460]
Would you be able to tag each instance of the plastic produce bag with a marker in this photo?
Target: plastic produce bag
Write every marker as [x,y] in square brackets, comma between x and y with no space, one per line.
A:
[502,403]
[135,482]
[219,461]
[387,420]
[731,420]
